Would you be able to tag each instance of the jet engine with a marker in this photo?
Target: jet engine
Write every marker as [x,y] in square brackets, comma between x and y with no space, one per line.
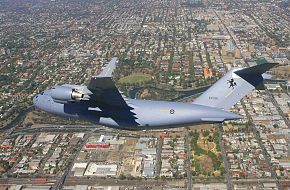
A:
[67,94]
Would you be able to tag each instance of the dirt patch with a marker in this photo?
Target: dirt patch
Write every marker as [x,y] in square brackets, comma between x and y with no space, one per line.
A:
[145,94]
[205,143]
[114,157]
[230,127]
[129,145]
[127,167]
[30,118]
[207,146]
[282,72]
[206,164]
[99,156]
[202,127]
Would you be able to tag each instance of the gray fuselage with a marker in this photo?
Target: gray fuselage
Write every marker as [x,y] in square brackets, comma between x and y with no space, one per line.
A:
[146,114]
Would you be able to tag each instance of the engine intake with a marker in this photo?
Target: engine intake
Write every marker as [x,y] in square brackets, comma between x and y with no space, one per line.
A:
[75,95]
[65,94]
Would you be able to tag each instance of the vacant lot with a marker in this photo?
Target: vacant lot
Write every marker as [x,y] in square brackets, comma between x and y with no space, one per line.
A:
[282,72]
[206,163]
[204,153]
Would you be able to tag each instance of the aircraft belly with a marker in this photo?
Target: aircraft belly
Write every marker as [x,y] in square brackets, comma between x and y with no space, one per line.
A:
[167,116]
[152,114]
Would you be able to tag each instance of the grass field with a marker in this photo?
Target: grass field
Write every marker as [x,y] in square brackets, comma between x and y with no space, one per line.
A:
[136,78]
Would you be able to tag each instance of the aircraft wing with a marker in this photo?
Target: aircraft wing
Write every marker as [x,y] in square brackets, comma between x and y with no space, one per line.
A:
[106,96]
[108,70]
[104,90]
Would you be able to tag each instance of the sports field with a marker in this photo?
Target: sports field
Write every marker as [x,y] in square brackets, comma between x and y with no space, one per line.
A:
[136,78]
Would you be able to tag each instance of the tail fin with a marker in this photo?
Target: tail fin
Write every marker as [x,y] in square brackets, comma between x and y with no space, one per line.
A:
[232,87]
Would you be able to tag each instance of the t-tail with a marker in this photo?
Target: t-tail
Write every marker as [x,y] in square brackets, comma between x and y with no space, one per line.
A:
[232,87]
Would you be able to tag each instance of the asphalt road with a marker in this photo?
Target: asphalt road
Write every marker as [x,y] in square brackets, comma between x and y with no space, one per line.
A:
[229,178]
[275,103]
[24,181]
[264,151]
[61,181]
[104,182]
[158,157]
[189,175]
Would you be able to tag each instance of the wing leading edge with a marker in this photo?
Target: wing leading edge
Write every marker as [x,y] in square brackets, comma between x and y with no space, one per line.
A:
[108,70]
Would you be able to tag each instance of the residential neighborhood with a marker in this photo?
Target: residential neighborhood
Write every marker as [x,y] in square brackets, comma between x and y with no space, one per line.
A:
[167,50]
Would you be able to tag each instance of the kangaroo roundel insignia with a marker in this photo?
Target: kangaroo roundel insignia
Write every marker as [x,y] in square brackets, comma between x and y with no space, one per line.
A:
[232,83]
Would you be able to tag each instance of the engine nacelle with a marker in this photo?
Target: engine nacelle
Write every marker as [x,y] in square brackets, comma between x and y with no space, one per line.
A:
[65,94]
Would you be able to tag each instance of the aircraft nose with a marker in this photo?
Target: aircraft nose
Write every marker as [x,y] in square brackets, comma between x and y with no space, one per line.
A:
[35,100]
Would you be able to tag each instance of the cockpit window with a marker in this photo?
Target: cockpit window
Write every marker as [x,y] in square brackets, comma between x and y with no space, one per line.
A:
[42,92]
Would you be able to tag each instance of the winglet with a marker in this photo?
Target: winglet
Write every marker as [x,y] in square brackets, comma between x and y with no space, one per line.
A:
[108,70]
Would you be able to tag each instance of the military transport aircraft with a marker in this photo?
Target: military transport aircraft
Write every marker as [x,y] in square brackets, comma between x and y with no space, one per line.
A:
[102,103]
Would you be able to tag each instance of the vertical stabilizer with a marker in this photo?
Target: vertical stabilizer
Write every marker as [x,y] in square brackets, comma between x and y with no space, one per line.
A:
[232,87]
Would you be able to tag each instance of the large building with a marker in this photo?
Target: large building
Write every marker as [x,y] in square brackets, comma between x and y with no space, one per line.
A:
[101,170]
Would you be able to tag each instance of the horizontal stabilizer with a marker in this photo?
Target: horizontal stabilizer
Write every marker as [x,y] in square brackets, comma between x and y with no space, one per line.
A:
[227,116]
[257,69]
[212,119]
[253,75]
